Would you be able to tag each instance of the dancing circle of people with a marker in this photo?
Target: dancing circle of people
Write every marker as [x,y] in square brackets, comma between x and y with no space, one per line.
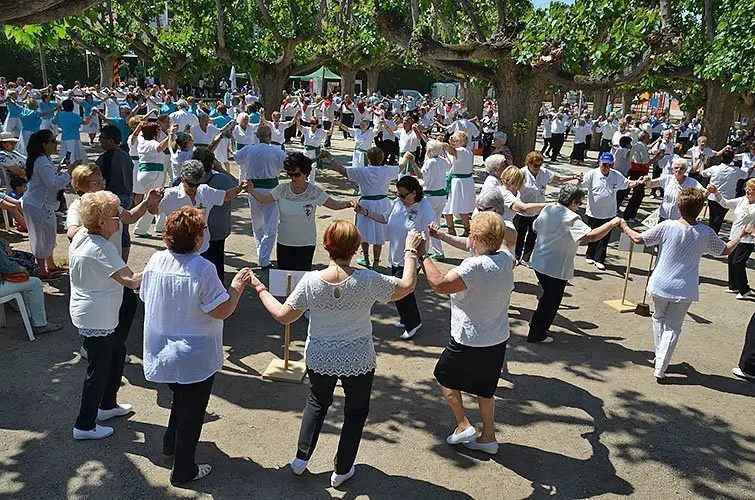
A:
[426,150]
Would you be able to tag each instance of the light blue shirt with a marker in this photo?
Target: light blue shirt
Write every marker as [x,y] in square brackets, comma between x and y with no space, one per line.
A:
[69,123]
[30,120]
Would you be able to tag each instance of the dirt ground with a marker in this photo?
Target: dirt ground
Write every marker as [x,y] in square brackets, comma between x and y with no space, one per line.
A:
[582,417]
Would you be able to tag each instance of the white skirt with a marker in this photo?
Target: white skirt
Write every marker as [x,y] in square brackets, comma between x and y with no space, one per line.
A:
[136,187]
[221,151]
[92,127]
[24,141]
[12,125]
[47,124]
[461,198]
[373,232]
[358,159]
[75,147]
[42,227]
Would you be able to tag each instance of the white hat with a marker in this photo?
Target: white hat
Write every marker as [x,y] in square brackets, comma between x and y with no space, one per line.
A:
[7,137]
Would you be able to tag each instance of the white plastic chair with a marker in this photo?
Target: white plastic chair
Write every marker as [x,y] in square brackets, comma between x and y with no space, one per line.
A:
[21,307]
[5,185]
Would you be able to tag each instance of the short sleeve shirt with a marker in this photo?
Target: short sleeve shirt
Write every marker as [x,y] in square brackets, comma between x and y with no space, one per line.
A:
[558,233]
[533,190]
[204,200]
[676,275]
[297,226]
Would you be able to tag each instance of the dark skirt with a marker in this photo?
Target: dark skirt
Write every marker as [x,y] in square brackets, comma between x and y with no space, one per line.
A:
[474,370]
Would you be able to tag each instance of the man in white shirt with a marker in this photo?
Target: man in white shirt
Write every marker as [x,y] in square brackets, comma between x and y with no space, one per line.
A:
[263,162]
[701,156]
[183,118]
[601,185]
[607,128]
[558,134]
[725,177]
[463,124]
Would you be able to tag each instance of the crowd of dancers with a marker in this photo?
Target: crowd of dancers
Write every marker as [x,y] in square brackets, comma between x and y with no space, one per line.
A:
[166,166]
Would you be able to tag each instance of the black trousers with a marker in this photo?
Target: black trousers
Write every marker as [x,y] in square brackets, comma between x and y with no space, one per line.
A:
[357,390]
[185,427]
[557,141]
[487,144]
[578,152]
[327,126]
[716,215]
[638,194]
[525,236]
[105,366]
[215,253]
[390,150]
[295,258]
[407,307]
[738,267]
[290,132]
[547,146]
[747,359]
[348,120]
[547,306]
[605,145]
[597,249]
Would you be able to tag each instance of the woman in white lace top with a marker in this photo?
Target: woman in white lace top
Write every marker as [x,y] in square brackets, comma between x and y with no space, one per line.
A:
[339,341]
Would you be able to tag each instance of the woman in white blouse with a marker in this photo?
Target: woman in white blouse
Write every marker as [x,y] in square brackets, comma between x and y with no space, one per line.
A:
[313,137]
[364,136]
[744,214]
[374,181]
[433,176]
[185,350]
[98,275]
[560,231]
[40,201]
[672,185]
[459,184]
[410,211]
[339,339]
[480,290]
[674,282]
[297,203]
[151,170]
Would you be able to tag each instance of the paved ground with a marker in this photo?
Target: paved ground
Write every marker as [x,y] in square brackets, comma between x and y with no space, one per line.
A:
[582,417]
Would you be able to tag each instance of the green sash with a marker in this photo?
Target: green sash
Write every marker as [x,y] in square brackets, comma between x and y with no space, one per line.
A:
[364,158]
[151,167]
[317,150]
[455,176]
[437,192]
[265,183]
[374,197]
[134,157]
[198,145]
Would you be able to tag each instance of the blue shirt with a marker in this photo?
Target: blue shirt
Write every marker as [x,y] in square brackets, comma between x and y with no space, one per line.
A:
[69,123]
[14,109]
[222,120]
[167,109]
[254,118]
[123,127]
[88,106]
[30,120]
[43,106]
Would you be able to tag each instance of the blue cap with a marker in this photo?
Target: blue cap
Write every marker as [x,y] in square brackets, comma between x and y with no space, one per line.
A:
[606,158]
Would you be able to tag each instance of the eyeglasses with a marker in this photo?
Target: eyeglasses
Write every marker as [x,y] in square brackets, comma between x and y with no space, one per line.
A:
[100,182]
[487,209]
[295,175]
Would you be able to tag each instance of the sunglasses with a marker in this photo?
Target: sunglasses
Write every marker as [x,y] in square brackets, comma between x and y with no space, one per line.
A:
[487,209]
[403,196]
[295,175]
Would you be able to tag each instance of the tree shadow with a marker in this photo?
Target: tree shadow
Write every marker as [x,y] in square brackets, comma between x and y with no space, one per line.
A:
[688,375]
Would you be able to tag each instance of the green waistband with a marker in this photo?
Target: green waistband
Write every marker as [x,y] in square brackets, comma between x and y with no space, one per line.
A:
[360,150]
[461,176]
[265,183]
[313,148]
[200,145]
[374,197]
[436,192]
[135,157]
[151,167]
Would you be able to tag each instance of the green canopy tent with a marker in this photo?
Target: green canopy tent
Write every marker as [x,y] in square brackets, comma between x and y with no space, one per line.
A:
[322,72]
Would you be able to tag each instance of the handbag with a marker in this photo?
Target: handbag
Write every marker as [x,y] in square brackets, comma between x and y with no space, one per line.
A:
[16,277]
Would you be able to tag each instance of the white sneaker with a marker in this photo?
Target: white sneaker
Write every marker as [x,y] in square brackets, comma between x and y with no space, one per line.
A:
[589,261]
[462,437]
[600,266]
[118,411]
[83,353]
[741,296]
[659,374]
[99,432]
[410,333]
[399,324]
[739,373]
[299,466]
[337,480]
[490,448]
[728,290]
[546,340]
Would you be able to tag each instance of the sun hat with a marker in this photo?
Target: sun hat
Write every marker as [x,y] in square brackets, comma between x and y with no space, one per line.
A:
[7,137]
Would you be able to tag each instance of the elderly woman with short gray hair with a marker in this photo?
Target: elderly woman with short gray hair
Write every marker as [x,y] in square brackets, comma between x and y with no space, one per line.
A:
[495,164]
[560,231]
[500,147]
